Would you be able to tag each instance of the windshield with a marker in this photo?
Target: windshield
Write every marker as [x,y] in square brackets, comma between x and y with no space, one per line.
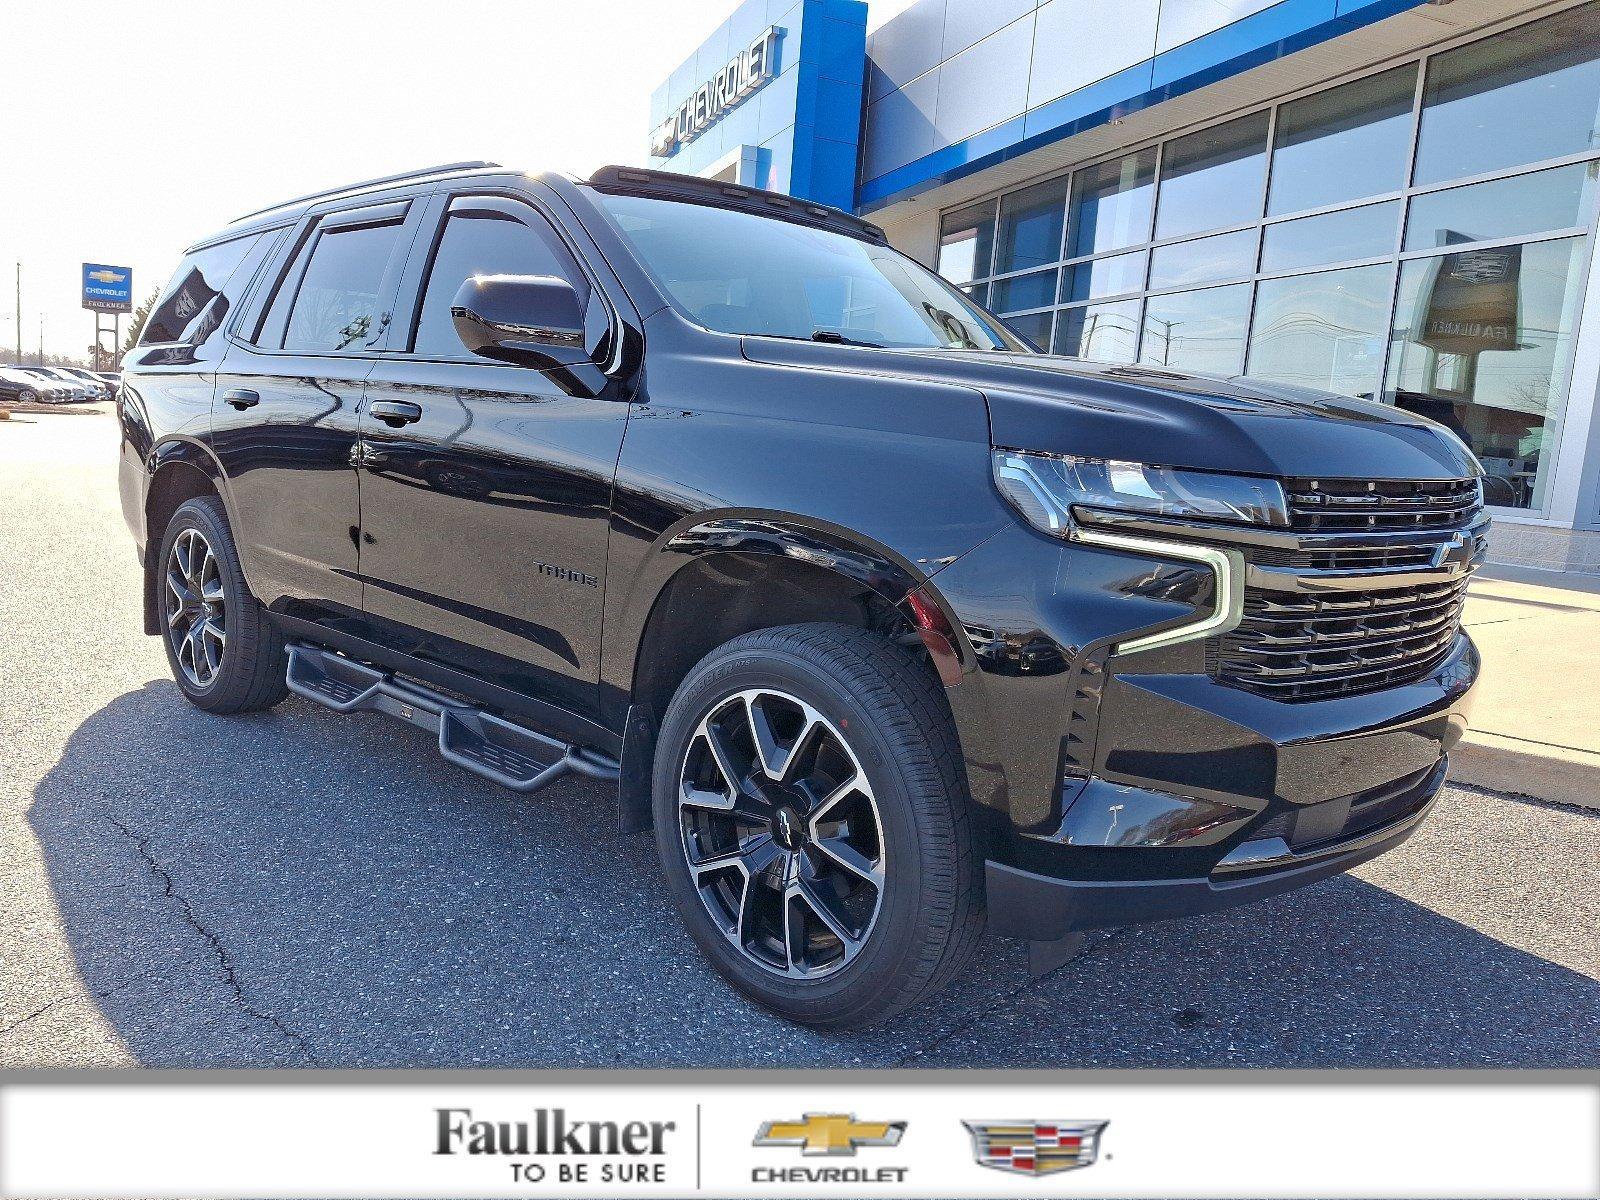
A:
[740,273]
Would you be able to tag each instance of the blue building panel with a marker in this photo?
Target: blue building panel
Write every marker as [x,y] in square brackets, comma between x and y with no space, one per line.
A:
[902,158]
[805,118]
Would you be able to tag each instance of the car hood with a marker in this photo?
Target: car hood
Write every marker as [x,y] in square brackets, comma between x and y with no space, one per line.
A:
[1156,415]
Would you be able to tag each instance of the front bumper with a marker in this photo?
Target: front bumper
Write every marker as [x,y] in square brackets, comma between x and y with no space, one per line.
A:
[1115,787]
[1045,908]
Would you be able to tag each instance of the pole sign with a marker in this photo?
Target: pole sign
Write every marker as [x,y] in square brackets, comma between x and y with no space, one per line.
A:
[107,289]
[743,74]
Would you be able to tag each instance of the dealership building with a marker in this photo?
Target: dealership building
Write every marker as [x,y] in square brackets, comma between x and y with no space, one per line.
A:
[1384,198]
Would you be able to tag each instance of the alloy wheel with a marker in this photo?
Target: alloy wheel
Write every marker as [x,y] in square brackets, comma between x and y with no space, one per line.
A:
[197,616]
[781,833]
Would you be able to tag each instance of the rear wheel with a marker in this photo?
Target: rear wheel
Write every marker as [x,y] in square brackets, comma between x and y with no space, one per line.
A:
[811,820]
[225,655]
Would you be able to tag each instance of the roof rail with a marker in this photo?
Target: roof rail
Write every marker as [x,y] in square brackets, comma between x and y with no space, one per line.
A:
[643,181]
[442,168]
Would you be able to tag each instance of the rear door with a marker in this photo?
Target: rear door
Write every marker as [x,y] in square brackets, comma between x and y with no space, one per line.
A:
[286,410]
[485,516]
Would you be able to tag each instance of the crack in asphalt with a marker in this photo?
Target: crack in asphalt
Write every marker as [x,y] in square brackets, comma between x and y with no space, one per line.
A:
[225,960]
[34,1015]
[1002,1002]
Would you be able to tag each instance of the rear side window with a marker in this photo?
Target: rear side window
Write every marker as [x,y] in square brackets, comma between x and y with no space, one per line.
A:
[204,288]
[487,236]
[340,304]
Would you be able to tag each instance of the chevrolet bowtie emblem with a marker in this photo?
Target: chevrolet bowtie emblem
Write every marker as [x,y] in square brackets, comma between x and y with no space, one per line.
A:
[106,276]
[830,1133]
[1035,1147]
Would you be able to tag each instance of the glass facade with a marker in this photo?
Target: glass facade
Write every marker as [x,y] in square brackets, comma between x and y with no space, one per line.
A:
[1419,236]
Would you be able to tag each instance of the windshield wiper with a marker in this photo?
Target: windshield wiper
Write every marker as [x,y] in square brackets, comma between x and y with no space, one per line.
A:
[835,338]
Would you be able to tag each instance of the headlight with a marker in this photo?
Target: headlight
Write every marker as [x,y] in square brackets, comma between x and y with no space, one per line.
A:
[1045,488]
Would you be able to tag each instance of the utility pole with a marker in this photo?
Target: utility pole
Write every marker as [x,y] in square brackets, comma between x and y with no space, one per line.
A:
[19,314]
[41,339]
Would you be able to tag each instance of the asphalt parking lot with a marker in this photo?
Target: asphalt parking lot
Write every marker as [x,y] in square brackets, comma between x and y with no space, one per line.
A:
[297,888]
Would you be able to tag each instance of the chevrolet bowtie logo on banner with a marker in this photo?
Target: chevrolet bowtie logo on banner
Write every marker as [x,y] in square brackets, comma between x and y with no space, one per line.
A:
[833,1134]
[1035,1147]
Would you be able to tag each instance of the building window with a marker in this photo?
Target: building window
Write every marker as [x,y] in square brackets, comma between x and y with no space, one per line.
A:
[1314,261]
[1480,343]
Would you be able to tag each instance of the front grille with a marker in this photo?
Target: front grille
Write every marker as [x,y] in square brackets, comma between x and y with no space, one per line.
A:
[1362,505]
[1311,646]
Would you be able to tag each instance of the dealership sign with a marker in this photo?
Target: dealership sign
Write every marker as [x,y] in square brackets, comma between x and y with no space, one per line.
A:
[745,73]
[107,289]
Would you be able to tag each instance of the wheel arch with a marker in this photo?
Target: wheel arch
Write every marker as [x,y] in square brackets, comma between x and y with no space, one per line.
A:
[182,469]
[716,578]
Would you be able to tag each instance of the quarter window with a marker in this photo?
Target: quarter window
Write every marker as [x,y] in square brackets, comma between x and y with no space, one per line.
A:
[199,296]
[486,236]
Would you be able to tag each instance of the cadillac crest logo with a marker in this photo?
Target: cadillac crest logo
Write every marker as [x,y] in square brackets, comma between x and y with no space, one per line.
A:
[1035,1147]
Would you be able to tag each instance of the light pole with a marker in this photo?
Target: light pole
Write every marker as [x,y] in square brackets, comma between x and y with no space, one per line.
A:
[19,314]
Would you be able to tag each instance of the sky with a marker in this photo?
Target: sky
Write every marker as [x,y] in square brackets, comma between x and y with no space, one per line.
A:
[134,127]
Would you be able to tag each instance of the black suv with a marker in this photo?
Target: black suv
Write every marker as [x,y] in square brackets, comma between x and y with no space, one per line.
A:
[887,623]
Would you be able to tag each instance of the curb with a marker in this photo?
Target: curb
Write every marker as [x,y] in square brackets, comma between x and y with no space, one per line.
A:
[1558,774]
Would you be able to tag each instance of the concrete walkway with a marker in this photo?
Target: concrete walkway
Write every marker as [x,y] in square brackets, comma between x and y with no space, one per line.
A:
[1536,722]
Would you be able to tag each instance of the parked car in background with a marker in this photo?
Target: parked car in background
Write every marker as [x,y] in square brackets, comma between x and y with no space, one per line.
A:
[78,389]
[99,387]
[27,388]
[113,379]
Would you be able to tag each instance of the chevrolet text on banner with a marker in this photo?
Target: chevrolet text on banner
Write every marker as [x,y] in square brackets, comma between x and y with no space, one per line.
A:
[624,1135]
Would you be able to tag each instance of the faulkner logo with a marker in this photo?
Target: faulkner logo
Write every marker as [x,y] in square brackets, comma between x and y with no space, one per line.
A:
[830,1135]
[629,1151]
[1035,1147]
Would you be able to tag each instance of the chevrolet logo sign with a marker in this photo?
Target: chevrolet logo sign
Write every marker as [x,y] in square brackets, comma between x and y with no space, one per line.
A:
[833,1134]
[104,276]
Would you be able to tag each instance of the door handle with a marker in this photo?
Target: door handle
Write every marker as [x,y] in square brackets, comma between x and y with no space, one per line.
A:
[241,398]
[396,413]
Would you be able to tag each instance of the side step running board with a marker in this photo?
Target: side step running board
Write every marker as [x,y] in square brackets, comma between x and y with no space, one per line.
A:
[511,755]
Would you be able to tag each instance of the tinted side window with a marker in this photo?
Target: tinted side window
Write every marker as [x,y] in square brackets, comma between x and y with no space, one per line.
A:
[340,304]
[487,237]
[196,301]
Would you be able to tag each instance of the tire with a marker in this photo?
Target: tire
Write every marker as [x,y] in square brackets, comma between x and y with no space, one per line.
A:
[238,664]
[28,397]
[836,705]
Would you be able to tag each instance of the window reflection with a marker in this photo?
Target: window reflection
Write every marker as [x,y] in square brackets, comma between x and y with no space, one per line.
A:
[1503,208]
[1332,237]
[1103,332]
[1213,178]
[1343,144]
[1024,291]
[1034,326]
[1197,331]
[1030,227]
[1228,255]
[1480,343]
[1111,204]
[966,240]
[1103,277]
[1519,97]
[1323,331]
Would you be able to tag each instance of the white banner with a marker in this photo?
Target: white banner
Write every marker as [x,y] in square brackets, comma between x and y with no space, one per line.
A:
[807,1139]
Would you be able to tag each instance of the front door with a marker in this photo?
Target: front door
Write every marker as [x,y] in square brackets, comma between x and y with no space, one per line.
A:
[485,488]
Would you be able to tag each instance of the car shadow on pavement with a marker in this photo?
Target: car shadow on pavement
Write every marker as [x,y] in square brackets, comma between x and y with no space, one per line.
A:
[295,888]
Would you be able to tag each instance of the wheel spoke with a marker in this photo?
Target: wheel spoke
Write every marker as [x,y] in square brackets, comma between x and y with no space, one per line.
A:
[849,787]
[777,761]
[842,854]
[211,592]
[722,754]
[808,894]
[179,588]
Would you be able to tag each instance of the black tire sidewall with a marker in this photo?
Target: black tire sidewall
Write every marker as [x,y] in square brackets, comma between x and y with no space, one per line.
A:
[235,681]
[902,917]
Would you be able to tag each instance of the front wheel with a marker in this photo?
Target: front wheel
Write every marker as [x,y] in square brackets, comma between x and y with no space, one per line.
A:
[225,655]
[812,823]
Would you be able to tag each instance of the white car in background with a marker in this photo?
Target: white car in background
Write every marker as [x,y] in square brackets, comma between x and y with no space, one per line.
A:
[99,387]
[78,389]
[28,388]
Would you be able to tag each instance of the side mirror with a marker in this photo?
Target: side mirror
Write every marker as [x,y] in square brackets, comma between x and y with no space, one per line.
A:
[528,321]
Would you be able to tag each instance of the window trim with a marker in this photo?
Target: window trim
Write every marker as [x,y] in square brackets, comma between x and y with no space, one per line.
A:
[415,294]
[291,272]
